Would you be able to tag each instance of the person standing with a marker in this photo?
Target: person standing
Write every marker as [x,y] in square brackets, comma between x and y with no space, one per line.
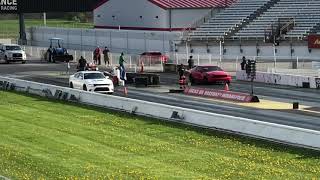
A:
[82,64]
[121,65]
[97,56]
[190,62]
[106,58]
[243,63]
[50,52]
[181,71]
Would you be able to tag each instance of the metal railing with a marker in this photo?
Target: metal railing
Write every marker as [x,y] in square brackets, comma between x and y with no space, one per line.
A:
[229,63]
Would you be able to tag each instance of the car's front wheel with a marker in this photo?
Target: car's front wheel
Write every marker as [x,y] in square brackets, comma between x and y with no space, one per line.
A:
[6,60]
[205,80]
[85,88]
[23,62]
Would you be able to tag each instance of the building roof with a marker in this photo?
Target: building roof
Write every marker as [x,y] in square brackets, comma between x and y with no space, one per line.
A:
[188,4]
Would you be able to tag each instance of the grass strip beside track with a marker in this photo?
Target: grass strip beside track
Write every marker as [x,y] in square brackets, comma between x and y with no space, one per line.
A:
[58,140]
[10,28]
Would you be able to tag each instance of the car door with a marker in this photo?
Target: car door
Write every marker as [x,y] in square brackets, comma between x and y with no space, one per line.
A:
[76,80]
[80,81]
[197,73]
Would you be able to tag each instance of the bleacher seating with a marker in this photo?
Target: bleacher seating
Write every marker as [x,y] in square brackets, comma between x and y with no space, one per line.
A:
[248,19]
[228,19]
[305,14]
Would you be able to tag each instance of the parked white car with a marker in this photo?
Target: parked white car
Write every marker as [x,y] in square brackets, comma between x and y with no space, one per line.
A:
[93,81]
[12,53]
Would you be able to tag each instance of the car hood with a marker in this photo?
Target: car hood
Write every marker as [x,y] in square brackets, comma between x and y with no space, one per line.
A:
[98,81]
[17,51]
[217,73]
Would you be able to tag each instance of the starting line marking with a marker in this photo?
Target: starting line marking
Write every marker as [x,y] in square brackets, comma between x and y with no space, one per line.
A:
[263,104]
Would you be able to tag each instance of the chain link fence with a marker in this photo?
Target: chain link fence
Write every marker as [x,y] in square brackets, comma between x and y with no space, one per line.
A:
[297,65]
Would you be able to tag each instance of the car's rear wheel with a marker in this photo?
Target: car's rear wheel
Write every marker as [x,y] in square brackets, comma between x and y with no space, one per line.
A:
[23,62]
[71,85]
[85,88]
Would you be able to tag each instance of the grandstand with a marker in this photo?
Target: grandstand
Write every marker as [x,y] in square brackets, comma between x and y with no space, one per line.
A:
[258,19]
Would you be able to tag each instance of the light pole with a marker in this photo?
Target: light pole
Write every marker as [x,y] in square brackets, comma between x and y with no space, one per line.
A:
[45,19]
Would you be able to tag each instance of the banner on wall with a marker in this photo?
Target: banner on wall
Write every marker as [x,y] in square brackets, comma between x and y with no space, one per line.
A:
[8,6]
[314,41]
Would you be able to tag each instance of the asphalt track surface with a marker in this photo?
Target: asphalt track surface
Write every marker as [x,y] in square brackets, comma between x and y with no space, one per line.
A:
[54,74]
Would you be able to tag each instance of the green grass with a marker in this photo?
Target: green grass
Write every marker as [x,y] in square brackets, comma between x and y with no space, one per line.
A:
[41,139]
[10,28]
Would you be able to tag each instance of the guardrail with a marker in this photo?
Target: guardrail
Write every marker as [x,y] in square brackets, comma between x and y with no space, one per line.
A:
[282,79]
[274,132]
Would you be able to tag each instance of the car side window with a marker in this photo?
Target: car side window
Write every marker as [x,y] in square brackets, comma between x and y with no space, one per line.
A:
[80,76]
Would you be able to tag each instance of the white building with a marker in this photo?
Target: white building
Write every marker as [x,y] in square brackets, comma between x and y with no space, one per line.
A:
[158,15]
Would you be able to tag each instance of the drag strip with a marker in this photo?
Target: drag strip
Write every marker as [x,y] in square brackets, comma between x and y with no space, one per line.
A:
[291,118]
[53,74]
[273,116]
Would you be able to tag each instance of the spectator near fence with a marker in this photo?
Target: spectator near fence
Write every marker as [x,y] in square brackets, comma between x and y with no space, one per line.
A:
[97,56]
[181,71]
[106,57]
[121,65]
[82,64]
[50,52]
[190,62]
[243,63]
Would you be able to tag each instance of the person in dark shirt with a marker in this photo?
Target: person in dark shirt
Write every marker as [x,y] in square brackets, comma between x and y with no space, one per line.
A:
[181,71]
[243,63]
[82,64]
[190,62]
[106,52]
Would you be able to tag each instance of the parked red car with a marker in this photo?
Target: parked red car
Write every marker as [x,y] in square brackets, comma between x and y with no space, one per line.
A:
[153,57]
[208,74]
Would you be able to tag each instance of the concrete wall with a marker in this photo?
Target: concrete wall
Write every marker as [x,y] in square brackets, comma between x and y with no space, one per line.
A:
[184,17]
[300,50]
[281,79]
[133,42]
[152,16]
[249,127]
[5,41]
[127,13]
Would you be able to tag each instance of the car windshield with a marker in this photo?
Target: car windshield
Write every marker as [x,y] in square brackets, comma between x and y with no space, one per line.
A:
[94,76]
[151,54]
[211,68]
[13,48]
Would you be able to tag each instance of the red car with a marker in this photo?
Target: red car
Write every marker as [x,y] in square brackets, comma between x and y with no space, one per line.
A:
[153,57]
[208,74]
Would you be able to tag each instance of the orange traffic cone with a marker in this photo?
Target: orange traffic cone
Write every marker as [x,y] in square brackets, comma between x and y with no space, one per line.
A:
[226,87]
